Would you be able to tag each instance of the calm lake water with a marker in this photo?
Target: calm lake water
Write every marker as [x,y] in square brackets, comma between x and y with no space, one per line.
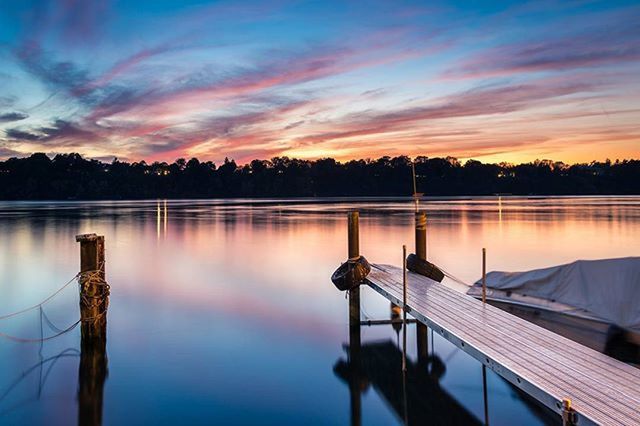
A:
[223,311]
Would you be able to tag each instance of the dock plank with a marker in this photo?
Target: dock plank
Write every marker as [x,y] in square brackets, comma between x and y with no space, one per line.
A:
[548,366]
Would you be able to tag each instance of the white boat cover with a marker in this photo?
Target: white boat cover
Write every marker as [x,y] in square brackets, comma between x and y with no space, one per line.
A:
[608,288]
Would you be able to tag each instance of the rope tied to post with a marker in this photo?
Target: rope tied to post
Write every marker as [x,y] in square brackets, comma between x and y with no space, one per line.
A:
[47,299]
[90,280]
[94,293]
[86,280]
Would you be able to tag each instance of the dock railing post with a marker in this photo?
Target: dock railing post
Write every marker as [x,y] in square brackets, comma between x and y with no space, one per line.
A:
[404,308]
[422,331]
[94,301]
[484,275]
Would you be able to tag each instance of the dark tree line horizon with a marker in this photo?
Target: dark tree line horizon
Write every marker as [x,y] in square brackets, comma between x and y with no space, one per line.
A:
[70,176]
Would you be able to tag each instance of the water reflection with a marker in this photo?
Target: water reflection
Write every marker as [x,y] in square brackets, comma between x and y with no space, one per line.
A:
[234,306]
[92,375]
[42,369]
[416,398]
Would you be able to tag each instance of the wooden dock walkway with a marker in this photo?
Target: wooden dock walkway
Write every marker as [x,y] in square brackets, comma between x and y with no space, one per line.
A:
[545,365]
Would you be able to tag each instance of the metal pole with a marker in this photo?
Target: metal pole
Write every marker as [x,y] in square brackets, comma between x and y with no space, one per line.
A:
[404,308]
[421,252]
[484,392]
[484,275]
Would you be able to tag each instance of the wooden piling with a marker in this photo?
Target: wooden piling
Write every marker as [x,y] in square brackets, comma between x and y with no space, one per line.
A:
[353,233]
[422,330]
[354,253]
[421,235]
[94,301]
[94,294]
[354,294]
[484,275]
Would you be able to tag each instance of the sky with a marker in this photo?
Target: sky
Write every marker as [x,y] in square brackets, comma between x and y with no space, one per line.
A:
[157,80]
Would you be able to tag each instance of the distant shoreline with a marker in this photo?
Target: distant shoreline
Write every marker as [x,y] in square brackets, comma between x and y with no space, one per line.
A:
[68,177]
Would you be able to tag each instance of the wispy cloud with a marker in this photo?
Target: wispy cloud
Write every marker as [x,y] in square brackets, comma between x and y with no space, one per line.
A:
[8,152]
[472,103]
[12,116]
[603,46]
[60,131]
[275,78]
[57,75]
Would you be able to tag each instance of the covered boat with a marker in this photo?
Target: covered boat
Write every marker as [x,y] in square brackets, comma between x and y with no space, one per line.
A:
[594,302]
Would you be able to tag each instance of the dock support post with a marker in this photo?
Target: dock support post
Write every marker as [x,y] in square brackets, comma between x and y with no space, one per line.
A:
[568,414]
[354,294]
[94,300]
[484,275]
[422,330]
[354,322]
[484,395]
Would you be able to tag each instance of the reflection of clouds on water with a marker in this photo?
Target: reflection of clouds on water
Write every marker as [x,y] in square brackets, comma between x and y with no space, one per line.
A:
[239,290]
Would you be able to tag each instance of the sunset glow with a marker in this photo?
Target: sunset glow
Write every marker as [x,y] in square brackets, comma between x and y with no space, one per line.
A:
[166,79]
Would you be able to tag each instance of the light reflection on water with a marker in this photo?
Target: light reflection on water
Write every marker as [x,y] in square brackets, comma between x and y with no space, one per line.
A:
[222,311]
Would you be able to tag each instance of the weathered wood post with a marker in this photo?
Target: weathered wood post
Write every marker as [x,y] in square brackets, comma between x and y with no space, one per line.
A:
[354,235]
[421,235]
[422,331]
[354,294]
[94,300]
[354,322]
[94,293]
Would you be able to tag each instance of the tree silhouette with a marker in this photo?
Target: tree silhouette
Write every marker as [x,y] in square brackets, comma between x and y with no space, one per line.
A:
[69,176]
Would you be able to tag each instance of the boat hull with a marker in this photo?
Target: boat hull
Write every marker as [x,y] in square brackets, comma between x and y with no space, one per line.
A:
[593,333]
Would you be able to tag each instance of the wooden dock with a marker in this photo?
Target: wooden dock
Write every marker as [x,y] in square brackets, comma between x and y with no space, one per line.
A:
[547,366]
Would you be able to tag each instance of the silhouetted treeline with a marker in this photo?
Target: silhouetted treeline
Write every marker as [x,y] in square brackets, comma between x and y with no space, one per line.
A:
[70,176]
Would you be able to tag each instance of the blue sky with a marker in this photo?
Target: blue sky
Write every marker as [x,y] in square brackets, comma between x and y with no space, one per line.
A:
[158,80]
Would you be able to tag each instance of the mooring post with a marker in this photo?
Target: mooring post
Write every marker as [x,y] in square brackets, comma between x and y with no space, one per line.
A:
[354,294]
[421,252]
[354,235]
[354,322]
[94,294]
[94,300]
[484,275]
[421,235]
